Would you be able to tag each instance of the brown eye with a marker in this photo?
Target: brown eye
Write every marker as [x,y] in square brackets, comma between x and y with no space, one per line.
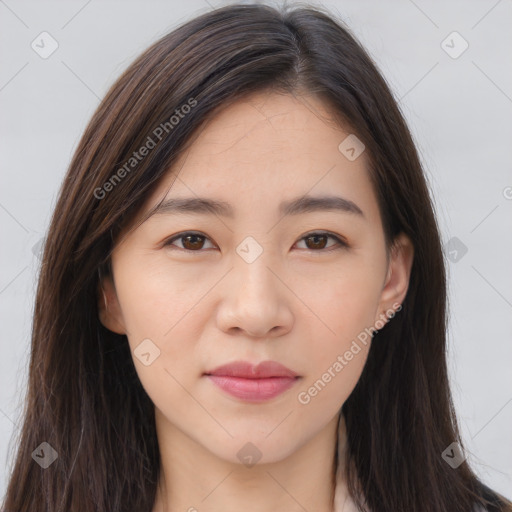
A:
[318,241]
[191,242]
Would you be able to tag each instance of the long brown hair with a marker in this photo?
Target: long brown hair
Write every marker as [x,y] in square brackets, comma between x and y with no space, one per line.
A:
[84,397]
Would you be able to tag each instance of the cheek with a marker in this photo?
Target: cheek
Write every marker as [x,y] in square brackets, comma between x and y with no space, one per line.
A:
[345,301]
[160,311]
[334,368]
[161,321]
[156,300]
[339,344]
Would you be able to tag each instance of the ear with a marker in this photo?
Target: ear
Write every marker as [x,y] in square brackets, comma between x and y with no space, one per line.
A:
[108,306]
[398,275]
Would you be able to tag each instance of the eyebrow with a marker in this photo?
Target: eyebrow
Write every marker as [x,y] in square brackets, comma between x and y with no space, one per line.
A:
[304,204]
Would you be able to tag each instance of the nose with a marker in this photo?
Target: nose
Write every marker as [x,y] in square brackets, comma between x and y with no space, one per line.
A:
[255,300]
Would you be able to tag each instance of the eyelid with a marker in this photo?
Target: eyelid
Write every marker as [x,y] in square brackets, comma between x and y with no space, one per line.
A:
[341,241]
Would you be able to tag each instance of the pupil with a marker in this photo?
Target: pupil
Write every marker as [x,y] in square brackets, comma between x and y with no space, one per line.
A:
[194,245]
[316,237]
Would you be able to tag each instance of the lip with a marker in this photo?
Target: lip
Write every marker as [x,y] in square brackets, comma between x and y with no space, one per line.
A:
[247,370]
[253,383]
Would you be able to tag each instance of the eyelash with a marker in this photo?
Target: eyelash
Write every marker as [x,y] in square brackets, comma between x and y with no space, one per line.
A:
[341,243]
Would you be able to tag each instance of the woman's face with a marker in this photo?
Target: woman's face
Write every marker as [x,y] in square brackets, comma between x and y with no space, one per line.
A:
[252,283]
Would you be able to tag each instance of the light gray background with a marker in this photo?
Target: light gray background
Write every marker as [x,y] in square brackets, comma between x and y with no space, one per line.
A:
[459,111]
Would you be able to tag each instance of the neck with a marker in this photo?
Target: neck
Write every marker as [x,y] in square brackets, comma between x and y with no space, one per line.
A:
[193,479]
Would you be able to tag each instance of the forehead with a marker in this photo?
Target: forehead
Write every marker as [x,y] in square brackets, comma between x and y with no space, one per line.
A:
[267,148]
[270,128]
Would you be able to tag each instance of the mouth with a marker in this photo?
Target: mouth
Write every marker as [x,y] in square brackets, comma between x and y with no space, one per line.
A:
[253,383]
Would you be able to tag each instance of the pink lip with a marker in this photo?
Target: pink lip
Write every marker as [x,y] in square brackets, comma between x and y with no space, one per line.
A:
[253,383]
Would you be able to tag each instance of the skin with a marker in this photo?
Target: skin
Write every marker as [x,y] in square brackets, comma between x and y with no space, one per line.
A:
[300,303]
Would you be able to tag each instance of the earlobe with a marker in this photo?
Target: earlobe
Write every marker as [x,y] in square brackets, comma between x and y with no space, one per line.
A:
[398,275]
[109,310]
